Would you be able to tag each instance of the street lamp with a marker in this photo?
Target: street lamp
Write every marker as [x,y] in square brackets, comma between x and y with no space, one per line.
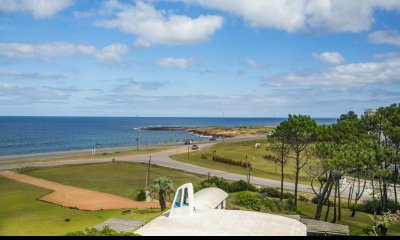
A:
[223,118]
[137,132]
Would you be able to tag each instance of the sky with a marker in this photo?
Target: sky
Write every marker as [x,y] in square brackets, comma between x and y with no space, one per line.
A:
[198,58]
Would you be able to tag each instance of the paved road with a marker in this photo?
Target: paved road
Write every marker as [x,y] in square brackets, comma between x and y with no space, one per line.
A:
[163,159]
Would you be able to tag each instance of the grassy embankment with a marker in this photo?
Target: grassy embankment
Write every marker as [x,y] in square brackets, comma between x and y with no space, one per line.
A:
[22,214]
[109,155]
[238,151]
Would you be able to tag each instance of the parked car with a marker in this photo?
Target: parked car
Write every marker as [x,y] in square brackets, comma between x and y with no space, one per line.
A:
[212,139]
[188,142]
[195,147]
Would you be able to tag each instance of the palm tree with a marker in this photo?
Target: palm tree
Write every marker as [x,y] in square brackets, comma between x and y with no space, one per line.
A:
[163,187]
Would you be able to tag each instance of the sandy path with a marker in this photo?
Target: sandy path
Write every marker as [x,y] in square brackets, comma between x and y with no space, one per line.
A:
[79,198]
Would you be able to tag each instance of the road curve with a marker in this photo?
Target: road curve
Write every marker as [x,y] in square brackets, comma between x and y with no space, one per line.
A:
[163,159]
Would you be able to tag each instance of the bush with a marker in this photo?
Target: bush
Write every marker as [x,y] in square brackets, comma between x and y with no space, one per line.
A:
[94,232]
[315,199]
[205,156]
[141,196]
[229,161]
[370,206]
[303,199]
[228,187]
[247,200]
[275,193]
[269,205]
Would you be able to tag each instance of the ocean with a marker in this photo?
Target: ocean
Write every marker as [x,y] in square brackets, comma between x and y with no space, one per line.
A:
[23,135]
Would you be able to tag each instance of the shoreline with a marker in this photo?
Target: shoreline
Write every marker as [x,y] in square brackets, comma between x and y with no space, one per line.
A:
[60,155]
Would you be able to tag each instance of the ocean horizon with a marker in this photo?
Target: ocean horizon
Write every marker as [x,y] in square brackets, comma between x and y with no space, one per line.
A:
[25,135]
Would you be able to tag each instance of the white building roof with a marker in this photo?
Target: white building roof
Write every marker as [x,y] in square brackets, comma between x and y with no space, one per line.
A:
[209,198]
[224,223]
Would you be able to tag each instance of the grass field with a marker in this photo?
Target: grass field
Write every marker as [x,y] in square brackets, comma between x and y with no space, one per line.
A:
[356,224]
[21,214]
[119,178]
[238,152]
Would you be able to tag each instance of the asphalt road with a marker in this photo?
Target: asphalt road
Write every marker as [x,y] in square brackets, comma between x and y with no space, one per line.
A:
[163,159]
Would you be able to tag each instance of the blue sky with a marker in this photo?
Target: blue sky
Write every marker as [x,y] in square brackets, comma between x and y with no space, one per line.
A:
[194,58]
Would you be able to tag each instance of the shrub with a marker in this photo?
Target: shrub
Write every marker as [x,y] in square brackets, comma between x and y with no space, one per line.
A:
[229,187]
[303,199]
[141,196]
[315,199]
[247,200]
[106,231]
[229,161]
[374,205]
[275,193]
[269,205]
[205,156]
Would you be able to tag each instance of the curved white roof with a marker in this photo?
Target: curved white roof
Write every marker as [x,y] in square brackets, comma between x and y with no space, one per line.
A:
[224,223]
[209,198]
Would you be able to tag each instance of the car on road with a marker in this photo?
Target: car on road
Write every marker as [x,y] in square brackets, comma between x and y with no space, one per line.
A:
[188,142]
[212,139]
[195,147]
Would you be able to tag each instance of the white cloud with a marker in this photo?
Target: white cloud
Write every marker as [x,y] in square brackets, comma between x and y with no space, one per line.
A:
[27,75]
[385,37]
[300,15]
[159,27]
[39,8]
[329,57]
[350,75]
[108,55]
[30,93]
[177,62]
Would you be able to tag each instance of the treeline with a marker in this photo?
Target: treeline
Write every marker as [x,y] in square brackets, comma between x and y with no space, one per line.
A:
[365,149]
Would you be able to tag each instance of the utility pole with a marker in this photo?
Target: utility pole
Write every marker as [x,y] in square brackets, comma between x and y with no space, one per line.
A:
[188,150]
[147,180]
[137,132]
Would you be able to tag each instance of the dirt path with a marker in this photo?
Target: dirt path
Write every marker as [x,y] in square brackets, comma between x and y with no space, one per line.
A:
[79,198]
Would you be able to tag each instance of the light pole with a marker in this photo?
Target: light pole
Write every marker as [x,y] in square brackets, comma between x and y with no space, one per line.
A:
[137,132]
[223,118]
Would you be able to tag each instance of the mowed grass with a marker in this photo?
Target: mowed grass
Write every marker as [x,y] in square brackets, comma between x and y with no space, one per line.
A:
[119,178]
[307,210]
[21,214]
[238,151]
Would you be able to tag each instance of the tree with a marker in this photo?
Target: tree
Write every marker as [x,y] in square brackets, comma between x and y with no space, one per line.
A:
[280,147]
[301,132]
[163,188]
[349,116]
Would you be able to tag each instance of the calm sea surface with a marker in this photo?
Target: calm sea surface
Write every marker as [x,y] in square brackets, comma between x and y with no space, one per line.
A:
[20,135]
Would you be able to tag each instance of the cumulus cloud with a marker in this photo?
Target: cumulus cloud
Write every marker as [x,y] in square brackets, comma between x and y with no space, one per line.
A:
[385,37]
[329,57]
[300,15]
[159,27]
[108,55]
[176,62]
[28,75]
[39,8]
[349,75]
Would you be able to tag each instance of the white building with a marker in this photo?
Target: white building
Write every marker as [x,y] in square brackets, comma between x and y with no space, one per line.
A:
[204,214]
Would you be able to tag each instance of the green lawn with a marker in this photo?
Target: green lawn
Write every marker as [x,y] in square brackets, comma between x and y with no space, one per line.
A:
[119,178]
[238,151]
[22,214]
[356,224]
